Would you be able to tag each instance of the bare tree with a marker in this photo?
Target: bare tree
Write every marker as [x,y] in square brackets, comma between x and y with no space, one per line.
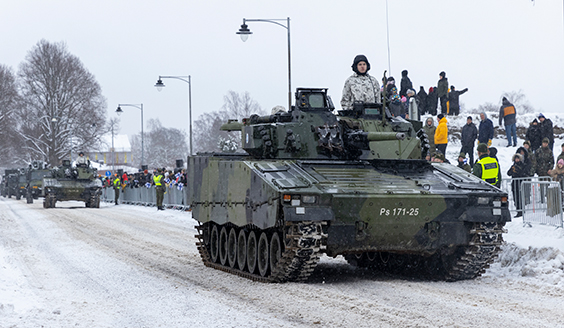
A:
[9,100]
[207,134]
[63,104]
[163,146]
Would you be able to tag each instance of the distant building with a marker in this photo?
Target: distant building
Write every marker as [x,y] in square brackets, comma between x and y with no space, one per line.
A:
[120,155]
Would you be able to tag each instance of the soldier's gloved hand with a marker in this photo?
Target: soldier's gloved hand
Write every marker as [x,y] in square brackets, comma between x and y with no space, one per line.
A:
[489,142]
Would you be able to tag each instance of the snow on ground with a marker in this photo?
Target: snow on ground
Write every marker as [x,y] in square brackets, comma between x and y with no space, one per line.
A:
[33,293]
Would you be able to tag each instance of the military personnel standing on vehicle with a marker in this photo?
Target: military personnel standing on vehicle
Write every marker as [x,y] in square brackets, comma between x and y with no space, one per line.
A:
[157,181]
[360,86]
[117,185]
[487,168]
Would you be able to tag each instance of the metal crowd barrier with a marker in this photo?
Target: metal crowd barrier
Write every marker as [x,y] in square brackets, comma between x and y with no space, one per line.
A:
[143,196]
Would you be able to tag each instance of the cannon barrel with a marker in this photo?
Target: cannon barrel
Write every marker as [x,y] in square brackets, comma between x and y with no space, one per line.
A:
[382,136]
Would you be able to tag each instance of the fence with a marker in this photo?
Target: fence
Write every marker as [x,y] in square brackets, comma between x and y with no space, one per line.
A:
[536,199]
[173,198]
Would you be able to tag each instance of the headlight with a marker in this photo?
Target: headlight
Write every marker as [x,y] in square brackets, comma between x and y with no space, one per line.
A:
[483,200]
[308,199]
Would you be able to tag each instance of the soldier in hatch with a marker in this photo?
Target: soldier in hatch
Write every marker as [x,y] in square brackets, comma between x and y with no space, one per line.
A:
[360,86]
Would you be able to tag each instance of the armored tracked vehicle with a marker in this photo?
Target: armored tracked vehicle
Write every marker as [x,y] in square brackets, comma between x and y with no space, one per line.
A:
[72,183]
[35,173]
[10,183]
[352,184]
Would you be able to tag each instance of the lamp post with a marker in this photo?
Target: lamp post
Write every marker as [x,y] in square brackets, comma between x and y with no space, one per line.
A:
[139,106]
[160,85]
[244,32]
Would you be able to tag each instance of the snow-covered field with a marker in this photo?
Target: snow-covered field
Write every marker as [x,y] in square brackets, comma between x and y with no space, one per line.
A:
[128,266]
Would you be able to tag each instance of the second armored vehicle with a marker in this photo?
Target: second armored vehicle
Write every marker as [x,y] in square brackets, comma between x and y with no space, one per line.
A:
[72,183]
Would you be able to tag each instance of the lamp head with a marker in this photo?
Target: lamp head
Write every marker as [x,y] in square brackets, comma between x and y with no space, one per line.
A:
[244,32]
[119,110]
[159,85]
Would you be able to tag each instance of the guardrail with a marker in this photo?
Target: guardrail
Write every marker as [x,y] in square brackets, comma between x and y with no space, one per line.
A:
[143,196]
[536,199]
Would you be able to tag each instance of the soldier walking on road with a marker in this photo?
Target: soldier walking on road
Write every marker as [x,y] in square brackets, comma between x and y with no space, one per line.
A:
[157,180]
[117,186]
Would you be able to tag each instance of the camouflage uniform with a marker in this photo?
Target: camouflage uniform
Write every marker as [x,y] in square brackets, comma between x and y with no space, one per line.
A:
[545,161]
[358,87]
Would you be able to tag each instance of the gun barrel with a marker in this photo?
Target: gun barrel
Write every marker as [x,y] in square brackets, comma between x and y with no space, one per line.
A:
[382,136]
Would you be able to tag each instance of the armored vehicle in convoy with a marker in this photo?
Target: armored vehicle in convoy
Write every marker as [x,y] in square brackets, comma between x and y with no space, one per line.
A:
[35,173]
[10,183]
[354,184]
[72,183]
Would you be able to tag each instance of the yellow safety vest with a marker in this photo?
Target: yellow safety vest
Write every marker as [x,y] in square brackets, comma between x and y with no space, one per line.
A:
[490,169]
[157,179]
[116,183]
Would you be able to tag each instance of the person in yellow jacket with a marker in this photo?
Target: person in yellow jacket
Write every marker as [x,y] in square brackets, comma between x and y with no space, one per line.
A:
[441,134]
[159,187]
[117,186]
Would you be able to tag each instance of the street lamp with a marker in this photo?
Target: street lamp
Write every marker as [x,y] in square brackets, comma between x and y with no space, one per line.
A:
[160,85]
[139,106]
[244,33]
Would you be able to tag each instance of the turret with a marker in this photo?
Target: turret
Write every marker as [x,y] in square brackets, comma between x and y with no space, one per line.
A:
[311,130]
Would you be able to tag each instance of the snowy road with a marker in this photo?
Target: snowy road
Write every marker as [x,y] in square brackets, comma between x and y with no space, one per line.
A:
[128,266]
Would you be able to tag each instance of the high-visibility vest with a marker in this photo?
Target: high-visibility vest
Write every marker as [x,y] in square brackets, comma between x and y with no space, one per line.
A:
[116,183]
[490,169]
[157,179]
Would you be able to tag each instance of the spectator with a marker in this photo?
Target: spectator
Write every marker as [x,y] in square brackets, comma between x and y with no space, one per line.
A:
[561,156]
[517,170]
[469,136]
[441,134]
[546,130]
[430,131]
[395,105]
[360,86]
[422,97]
[485,130]
[432,100]
[463,163]
[412,106]
[527,161]
[507,113]
[442,91]
[454,101]
[545,159]
[534,135]
[558,172]
[487,168]
[405,84]
[531,156]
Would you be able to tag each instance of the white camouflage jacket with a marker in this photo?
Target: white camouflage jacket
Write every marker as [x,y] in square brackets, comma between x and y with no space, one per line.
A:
[363,88]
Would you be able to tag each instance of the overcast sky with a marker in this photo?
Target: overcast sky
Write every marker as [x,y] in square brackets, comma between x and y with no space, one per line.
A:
[488,46]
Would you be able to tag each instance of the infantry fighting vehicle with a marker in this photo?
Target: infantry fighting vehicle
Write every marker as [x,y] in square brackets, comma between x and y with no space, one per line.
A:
[72,183]
[10,183]
[34,174]
[351,184]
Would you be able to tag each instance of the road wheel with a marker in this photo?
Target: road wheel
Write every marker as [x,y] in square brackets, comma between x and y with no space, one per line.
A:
[262,254]
[275,250]
[232,247]
[252,252]
[214,243]
[223,246]
[241,250]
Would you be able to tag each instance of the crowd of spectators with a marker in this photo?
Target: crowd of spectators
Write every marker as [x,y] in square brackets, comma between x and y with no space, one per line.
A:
[172,179]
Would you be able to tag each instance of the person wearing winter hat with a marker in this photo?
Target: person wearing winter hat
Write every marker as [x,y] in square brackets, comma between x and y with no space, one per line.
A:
[533,135]
[561,156]
[442,92]
[546,130]
[405,83]
[463,164]
[507,113]
[441,134]
[454,100]
[360,86]
[487,168]
[469,136]
[517,170]
[430,129]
